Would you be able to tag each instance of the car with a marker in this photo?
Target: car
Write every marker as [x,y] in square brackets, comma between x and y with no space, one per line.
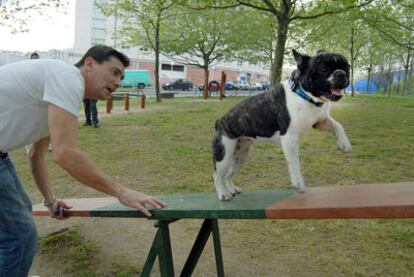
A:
[241,84]
[229,86]
[256,86]
[265,85]
[212,86]
[179,84]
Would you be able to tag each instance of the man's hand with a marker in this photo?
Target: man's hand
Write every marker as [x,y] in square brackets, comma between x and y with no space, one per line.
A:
[57,209]
[137,200]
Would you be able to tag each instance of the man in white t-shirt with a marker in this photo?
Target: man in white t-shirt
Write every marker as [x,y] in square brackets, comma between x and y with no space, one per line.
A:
[39,103]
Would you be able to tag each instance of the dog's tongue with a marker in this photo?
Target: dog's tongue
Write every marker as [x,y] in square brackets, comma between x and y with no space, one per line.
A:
[336,92]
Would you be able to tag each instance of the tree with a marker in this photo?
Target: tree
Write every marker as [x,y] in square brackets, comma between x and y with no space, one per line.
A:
[142,25]
[287,11]
[202,38]
[395,23]
[256,36]
[14,13]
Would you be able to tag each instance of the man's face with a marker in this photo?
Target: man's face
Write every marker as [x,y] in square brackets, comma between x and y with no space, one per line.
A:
[103,79]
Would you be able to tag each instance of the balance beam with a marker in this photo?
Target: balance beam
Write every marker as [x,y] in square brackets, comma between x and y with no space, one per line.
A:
[341,202]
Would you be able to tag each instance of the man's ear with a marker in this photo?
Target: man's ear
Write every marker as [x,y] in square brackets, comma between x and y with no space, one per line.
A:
[88,63]
[302,61]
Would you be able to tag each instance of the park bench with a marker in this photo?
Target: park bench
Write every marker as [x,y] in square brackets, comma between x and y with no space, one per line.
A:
[386,201]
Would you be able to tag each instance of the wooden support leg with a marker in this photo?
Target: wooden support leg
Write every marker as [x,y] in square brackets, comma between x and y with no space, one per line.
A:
[217,248]
[209,225]
[161,247]
[165,258]
[149,263]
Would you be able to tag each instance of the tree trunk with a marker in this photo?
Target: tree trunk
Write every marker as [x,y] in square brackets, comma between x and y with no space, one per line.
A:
[352,63]
[157,59]
[282,32]
[389,81]
[369,69]
[406,68]
[205,90]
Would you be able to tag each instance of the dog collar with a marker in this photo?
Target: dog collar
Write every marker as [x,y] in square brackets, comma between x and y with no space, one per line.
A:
[297,88]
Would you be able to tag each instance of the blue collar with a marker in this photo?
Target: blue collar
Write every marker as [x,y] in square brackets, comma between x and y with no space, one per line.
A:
[298,90]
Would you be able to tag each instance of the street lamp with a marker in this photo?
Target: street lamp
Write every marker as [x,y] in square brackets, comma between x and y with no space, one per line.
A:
[171,71]
[212,73]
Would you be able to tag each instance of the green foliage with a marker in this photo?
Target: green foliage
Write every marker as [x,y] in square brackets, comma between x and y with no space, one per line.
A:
[140,20]
[202,37]
[14,13]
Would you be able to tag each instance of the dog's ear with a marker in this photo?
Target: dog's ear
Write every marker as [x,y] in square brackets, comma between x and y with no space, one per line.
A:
[321,51]
[302,61]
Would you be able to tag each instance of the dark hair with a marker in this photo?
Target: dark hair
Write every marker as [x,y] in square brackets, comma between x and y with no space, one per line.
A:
[34,54]
[101,53]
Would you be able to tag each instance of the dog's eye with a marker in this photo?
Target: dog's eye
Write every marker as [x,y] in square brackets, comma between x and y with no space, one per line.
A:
[324,69]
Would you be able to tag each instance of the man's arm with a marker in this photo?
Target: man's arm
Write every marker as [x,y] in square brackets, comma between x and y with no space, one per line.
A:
[38,167]
[63,128]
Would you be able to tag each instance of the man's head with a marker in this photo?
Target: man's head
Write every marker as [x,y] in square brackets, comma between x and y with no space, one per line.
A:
[102,67]
[34,56]
[325,75]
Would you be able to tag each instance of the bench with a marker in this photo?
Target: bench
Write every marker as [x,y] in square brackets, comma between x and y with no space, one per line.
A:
[385,201]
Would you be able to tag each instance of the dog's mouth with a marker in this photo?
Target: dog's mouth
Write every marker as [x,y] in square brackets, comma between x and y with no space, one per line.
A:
[336,92]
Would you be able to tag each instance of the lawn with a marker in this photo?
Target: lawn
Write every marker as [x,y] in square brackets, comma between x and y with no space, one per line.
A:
[167,149]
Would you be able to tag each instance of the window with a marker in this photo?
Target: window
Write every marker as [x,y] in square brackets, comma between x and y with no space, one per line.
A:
[98,23]
[165,66]
[98,34]
[179,68]
[97,41]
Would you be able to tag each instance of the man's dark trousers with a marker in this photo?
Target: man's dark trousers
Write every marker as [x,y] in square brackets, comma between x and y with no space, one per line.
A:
[91,113]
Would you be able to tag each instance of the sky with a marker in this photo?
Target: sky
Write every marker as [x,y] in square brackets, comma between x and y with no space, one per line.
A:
[55,31]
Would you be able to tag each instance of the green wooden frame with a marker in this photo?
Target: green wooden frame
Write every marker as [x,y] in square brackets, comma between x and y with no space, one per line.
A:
[161,248]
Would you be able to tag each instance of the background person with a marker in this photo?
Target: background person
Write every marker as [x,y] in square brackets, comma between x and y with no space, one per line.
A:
[39,103]
[34,56]
[91,112]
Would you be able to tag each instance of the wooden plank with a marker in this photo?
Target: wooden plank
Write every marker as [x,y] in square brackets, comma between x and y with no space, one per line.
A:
[80,207]
[250,204]
[358,201]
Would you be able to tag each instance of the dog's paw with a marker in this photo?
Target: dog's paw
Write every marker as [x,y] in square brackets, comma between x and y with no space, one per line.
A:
[344,145]
[225,196]
[301,190]
[236,190]
[299,187]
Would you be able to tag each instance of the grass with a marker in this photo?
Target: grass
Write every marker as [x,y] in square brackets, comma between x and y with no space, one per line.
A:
[168,150]
[69,246]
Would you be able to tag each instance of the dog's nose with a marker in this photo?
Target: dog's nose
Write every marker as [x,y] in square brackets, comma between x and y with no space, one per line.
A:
[339,73]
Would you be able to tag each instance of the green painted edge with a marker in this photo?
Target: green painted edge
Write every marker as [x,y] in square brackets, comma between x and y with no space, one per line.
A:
[247,205]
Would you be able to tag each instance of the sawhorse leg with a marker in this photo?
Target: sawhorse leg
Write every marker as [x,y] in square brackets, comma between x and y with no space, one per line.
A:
[161,247]
[209,226]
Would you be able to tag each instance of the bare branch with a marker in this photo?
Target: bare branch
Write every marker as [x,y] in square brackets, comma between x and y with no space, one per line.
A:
[331,12]
[257,7]
[388,35]
[409,28]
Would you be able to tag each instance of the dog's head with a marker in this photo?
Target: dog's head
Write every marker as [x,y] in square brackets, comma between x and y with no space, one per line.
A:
[325,75]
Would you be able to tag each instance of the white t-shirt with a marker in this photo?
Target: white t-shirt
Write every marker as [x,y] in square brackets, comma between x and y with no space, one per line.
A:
[26,88]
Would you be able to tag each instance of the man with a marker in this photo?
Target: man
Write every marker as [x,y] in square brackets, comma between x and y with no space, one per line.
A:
[34,56]
[91,112]
[40,102]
